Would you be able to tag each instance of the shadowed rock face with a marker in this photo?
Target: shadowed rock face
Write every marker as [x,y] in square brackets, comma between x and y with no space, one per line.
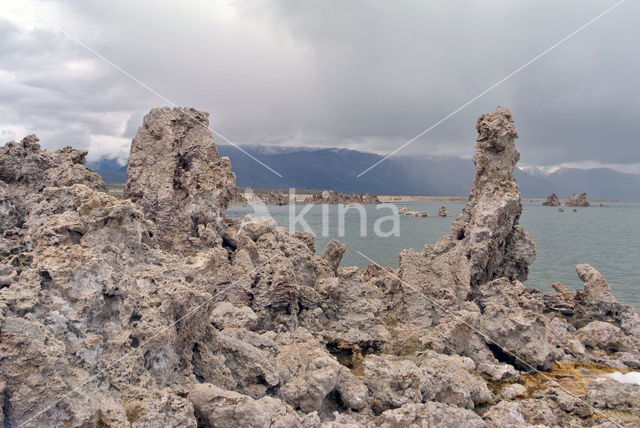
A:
[162,312]
[177,177]
[552,201]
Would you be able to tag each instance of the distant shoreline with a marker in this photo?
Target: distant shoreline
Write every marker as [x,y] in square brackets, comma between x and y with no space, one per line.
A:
[116,189]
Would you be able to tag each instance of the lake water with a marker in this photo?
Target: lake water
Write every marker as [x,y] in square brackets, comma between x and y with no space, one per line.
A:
[608,238]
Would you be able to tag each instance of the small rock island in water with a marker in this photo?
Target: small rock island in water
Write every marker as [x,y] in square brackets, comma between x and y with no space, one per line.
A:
[574,200]
[552,201]
[158,310]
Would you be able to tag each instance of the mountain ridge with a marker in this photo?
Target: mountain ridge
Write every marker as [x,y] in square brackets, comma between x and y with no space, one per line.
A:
[337,169]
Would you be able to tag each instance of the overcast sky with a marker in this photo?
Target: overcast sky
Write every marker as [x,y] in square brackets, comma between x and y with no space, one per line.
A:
[367,75]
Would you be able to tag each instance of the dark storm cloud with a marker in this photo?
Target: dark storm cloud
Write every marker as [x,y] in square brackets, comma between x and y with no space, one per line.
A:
[365,75]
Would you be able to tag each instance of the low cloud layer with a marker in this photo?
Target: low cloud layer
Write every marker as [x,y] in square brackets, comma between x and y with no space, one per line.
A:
[361,75]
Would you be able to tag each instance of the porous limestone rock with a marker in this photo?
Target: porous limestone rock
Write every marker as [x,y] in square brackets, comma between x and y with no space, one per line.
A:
[177,177]
[310,375]
[28,169]
[444,279]
[453,381]
[596,288]
[457,334]
[137,313]
[429,414]
[333,253]
[393,382]
[497,245]
[513,391]
[596,303]
[513,322]
[71,314]
[568,403]
[216,407]
[25,171]
[255,228]
[605,336]
[523,413]
[485,242]
[611,394]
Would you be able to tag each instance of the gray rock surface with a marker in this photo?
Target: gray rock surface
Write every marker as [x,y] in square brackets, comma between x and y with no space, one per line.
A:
[610,394]
[511,316]
[486,242]
[523,413]
[604,336]
[216,407]
[160,311]
[429,414]
[177,177]
[333,253]
[596,303]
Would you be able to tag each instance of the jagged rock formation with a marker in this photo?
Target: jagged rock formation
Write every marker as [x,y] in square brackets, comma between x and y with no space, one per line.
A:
[239,323]
[485,241]
[494,206]
[578,201]
[177,177]
[332,197]
[25,171]
[552,201]
[333,253]
[269,197]
[442,212]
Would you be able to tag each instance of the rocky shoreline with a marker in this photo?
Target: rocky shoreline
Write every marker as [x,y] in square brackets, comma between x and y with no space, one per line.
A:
[334,198]
[158,310]
[574,200]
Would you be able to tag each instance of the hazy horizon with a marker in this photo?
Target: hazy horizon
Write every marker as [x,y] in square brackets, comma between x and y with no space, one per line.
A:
[357,75]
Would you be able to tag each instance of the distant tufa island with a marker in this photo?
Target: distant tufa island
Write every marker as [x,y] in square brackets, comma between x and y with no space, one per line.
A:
[282,197]
[574,200]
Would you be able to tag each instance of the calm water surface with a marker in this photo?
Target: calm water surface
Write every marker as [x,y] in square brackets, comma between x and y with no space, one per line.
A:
[606,237]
